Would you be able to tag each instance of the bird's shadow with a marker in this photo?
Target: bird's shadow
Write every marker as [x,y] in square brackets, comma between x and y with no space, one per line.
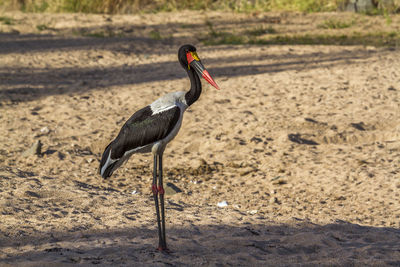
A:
[274,245]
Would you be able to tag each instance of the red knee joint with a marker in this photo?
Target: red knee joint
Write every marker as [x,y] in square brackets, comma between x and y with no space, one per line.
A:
[161,190]
[154,189]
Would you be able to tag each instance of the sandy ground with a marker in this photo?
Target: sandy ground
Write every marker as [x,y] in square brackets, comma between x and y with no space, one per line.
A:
[303,142]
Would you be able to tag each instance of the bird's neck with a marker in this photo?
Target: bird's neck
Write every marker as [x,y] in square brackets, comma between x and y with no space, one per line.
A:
[195,87]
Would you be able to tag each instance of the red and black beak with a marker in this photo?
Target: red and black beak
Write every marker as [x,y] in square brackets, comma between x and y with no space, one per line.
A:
[195,63]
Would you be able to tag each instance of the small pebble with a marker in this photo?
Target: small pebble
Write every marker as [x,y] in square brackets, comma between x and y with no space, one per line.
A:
[252,212]
[45,130]
[222,204]
[35,149]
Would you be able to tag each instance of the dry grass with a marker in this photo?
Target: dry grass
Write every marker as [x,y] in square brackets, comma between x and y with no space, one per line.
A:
[136,6]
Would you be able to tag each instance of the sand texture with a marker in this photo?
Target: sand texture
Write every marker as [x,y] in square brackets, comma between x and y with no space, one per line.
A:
[302,142]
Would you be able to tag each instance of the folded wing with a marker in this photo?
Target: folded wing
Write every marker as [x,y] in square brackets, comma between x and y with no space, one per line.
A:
[138,134]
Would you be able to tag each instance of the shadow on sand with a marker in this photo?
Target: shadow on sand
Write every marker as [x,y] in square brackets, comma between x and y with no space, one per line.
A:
[27,83]
[337,244]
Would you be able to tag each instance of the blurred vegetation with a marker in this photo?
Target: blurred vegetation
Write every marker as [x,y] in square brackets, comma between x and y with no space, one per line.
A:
[137,6]
[6,20]
[335,24]
[377,39]
[269,36]
[391,39]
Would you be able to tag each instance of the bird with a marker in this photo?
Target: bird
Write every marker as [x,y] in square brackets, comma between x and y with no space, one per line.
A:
[151,128]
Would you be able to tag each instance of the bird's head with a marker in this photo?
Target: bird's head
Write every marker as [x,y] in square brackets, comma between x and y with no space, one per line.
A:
[189,59]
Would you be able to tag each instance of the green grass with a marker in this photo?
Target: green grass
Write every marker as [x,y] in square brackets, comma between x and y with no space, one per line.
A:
[6,20]
[336,24]
[99,34]
[387,18]
[42,27]
[155,35]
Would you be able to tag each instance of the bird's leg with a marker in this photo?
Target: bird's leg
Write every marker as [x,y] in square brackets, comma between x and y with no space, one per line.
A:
[161,192]
[155,194]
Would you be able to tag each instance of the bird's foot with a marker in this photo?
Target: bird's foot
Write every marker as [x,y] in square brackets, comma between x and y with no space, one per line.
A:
[164,249]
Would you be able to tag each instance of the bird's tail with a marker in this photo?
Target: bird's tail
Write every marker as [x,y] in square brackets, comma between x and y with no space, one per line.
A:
[107,164]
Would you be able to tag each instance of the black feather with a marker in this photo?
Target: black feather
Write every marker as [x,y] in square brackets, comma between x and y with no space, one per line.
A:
[142,129]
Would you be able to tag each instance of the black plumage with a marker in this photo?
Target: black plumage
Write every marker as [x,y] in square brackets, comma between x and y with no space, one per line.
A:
[142,129]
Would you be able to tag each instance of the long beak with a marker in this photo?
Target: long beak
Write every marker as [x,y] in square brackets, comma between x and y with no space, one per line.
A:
[201,71]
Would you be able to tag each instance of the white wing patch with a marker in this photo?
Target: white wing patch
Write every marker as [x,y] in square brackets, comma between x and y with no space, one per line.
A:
[108,162]
[143,149]
[156,110]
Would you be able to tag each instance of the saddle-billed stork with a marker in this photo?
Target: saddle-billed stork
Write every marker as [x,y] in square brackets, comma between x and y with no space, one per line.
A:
[151,128]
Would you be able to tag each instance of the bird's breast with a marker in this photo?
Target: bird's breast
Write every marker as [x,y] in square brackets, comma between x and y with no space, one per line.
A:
[162,143]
